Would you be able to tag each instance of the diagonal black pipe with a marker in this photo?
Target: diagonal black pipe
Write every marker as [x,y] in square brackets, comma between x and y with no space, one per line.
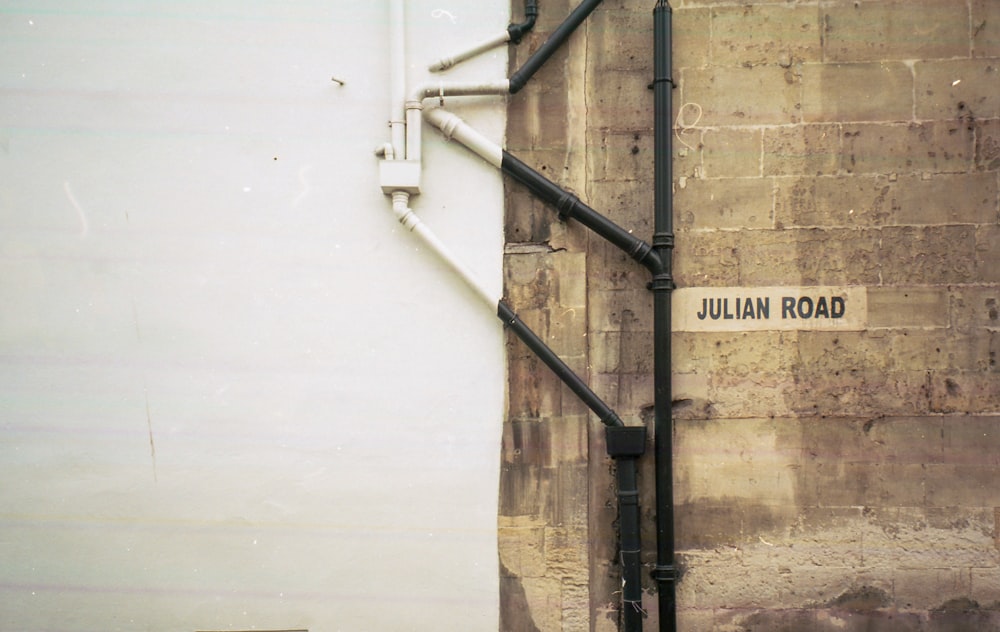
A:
[570,207]
[555,40]
[662,285]
[511,320]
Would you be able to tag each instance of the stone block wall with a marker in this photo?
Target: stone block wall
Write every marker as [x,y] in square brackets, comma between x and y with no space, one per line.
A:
[825,480]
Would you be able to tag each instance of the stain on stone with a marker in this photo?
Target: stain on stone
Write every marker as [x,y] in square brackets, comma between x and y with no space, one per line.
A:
[515,615]
[863,599]
[952,387]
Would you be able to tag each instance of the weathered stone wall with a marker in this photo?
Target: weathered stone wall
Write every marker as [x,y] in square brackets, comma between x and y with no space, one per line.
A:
[826,480]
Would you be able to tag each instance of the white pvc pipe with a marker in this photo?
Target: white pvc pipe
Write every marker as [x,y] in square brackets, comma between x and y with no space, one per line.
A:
[397,78]
[441,90]
[409,219]
[454,128]
[447,62]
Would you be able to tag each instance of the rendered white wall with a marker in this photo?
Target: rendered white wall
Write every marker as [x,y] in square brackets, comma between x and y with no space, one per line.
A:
[234,392]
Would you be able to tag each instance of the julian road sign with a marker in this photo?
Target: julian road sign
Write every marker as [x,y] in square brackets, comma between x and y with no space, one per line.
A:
[765,308]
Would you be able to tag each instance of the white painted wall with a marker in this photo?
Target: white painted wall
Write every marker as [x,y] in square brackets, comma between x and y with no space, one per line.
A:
[234,392]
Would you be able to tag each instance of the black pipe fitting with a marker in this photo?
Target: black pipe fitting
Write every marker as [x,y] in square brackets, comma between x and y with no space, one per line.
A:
[517,31]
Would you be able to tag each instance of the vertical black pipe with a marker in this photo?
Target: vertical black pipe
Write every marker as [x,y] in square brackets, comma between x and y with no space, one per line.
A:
[625,445]
[555,40]
[662,285]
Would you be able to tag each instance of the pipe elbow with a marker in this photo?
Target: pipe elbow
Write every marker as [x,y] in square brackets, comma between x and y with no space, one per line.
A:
[517,31]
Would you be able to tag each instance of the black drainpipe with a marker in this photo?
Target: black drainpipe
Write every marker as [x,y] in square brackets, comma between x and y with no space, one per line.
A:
[665,572]
[555,40]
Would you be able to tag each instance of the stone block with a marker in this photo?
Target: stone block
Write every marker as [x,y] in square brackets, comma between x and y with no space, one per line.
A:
[963,392]
[738,354]
[985,585]
[759,95]
[975,307]
[988,145]
[987,247]
[691,37]
[628,352]
[753,35]
[963,89]
[963,485]
[932,147]
[615,310]
[626,157]
[527,220]
[901,306]
[985,28]
[884,200]
[770,395]
[903,441]
[522,551]
[712,524]
[938,350]
[543,596]
[621,100]
[707,258]
[801,149]
[620,39]
[901,29]
[943,199]
[810,256]
[857,92]
[740,460]
[859,392]
[913,587]
[926,255]
[971,440]
[834,352]
[726,203]
[566,553]
[731,153]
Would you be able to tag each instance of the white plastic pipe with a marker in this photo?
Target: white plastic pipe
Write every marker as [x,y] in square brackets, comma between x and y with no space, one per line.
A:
[447,62]
[441,90]
[409,219]
[454,128]
[397,78]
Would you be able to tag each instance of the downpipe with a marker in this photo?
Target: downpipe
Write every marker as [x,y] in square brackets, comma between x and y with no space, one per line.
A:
[662,286]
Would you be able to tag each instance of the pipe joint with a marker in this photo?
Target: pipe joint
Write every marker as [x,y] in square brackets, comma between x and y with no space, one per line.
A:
[566,204]
[663,240]
[663,282]
[664,573]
